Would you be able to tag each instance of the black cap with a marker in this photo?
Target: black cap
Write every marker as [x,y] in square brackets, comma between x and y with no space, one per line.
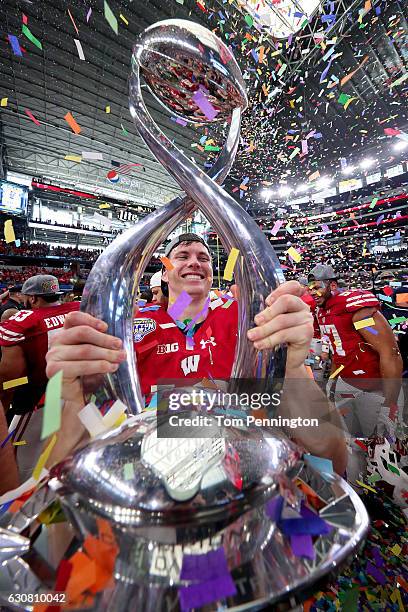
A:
[14,288]
[184,238]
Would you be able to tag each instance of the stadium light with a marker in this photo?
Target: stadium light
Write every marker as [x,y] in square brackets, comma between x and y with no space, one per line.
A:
[284,191]
[401,145]
[348,170]
[366,163]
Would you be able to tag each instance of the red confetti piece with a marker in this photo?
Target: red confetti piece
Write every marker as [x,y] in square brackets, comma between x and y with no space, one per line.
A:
[30,114]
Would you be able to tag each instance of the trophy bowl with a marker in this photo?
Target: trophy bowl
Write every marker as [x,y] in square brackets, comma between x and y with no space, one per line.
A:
[188,68]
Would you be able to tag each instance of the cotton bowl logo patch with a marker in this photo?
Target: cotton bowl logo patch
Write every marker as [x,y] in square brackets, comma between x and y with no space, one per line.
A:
[142,327]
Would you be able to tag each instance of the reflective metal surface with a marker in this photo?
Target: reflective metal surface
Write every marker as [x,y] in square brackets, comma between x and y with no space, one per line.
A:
[185,52]
[150,566]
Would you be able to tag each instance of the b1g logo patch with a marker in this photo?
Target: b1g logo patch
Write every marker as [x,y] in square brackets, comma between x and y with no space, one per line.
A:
[142,327]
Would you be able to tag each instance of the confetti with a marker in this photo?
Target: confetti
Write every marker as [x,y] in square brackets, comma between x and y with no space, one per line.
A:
[15,45]
[52,408]
[182,302]
[72,123]
[30,114]
[364,323]
[4,102]
[16,382]
[204,105]
[79,49]
[167,263]
[31,36]
[294,254]
[336,372]
[230,265]
[9,234]
[110,17]
[44,458]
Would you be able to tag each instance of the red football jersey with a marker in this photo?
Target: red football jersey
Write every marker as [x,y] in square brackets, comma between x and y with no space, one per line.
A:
[348,346]
[163,351]
[32,330]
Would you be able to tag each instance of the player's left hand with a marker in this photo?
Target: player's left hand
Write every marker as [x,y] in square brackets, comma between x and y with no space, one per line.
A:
[286,319]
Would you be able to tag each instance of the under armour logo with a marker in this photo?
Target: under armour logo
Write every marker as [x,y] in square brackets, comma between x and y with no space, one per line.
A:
[190,364]
[209,341]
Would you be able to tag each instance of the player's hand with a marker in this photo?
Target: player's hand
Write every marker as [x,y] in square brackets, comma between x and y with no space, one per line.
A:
[83,347]
[287,319]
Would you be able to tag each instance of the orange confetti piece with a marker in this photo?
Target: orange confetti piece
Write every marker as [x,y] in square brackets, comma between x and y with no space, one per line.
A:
[83,575]
[72,123]
[350,75]
[167,263]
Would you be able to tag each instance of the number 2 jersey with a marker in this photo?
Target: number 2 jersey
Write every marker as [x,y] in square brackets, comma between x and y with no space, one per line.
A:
[32,330]
[163,351]
[349,348]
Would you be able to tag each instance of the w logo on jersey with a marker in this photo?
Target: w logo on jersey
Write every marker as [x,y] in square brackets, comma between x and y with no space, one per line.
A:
[190,364]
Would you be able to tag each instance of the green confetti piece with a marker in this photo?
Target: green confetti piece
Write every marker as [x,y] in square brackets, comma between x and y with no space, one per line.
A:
[52,408]
[343,98]
[128,471]
[399,81]
[349,599]
[124,130]
[211,148]
[31,36]
[391,468]
[374,478]
[373,202]
[110,17]
[249,20]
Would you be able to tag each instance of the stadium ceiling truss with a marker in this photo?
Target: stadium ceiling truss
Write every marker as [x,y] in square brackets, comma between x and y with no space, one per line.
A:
[53,81]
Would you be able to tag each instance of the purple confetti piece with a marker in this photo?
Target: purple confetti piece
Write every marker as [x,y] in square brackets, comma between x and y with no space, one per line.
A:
[3,444]
[372,330]
[176,310]
[375,573]
[204,567]
[197,595]
[274,508]
[181,121]
[325,71]
[202,313]
[205,105]
[379,219]
[379,561]
[89,13]
[302,546]
[325,228]
[309,524]
[15,45]
[278,224]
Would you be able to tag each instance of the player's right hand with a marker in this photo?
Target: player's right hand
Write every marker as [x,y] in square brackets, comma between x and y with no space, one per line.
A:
[81,348]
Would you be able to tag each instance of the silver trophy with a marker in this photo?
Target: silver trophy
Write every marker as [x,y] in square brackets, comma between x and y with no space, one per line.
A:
[195,523]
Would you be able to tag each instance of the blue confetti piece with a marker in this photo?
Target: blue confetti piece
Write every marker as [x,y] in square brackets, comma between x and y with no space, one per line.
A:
[15,45]
[372,330]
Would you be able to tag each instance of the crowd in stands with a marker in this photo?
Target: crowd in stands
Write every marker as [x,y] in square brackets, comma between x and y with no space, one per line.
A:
[43,250]
[10,276]
[78,225]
